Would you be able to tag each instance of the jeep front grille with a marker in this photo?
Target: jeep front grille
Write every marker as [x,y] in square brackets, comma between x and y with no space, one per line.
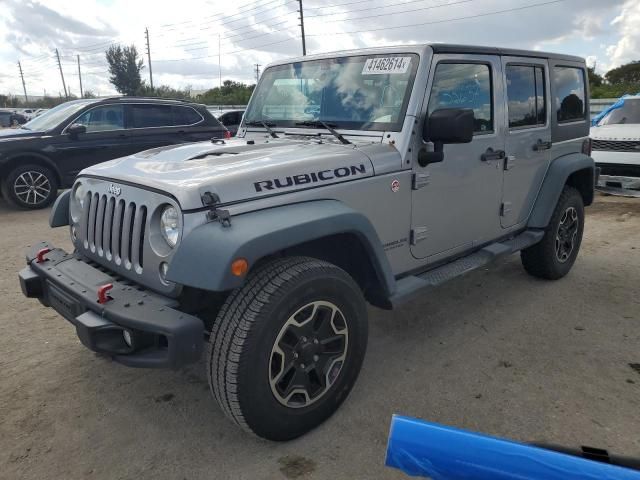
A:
[114,229]
[617,145]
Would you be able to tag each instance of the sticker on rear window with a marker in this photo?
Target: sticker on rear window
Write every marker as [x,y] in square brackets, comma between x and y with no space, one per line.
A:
[386,65]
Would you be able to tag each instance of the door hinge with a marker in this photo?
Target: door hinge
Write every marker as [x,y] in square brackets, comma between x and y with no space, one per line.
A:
[509,162]
[418,234]
[420,180]
[505,209]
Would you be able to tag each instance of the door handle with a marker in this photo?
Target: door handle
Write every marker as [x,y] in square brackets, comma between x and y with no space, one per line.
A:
[540,145]
[492,154]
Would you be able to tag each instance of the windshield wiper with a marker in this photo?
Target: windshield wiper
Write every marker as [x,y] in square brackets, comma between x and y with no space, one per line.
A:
[266,125]
[328,126]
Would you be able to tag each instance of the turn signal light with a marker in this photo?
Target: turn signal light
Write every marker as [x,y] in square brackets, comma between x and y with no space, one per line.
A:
[587,146]
[239,267]
[227,134]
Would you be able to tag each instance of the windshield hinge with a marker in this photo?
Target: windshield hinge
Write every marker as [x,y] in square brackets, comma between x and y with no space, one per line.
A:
[420,180]
[215,214]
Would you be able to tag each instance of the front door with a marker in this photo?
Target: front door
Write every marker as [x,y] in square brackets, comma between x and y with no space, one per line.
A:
[456,203]
[105,138]
[528,139]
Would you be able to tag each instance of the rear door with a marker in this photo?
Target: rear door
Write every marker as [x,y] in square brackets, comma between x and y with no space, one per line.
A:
[528,137]
[156,125]
[455,203]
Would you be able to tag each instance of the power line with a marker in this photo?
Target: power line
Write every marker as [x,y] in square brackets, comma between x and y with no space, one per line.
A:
[429,7]
[478,15]
[228,53]
[216,18]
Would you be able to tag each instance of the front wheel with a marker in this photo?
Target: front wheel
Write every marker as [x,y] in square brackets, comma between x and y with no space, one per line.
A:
[30,187]
[287,347]
[553,257]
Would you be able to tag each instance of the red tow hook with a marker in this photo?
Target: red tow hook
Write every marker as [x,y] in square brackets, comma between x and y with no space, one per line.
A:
[41,253]
[103,293]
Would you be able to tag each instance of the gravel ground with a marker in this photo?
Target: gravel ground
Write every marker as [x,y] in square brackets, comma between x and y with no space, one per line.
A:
[495,351]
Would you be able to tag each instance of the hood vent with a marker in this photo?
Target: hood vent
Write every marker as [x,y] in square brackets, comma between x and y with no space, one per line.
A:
[212,154]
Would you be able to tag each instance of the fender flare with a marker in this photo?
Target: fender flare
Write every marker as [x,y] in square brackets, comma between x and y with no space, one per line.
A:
[203,259]
[59,216]
[554,181]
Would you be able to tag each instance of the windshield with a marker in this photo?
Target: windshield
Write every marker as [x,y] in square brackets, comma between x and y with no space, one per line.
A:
[368,92]
[52,118]
[629,112]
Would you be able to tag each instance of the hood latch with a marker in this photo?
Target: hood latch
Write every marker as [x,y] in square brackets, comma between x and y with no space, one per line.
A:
[215,214]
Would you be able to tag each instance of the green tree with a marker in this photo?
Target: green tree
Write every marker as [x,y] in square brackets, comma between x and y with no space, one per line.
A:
[163,91]
[595,80]
[124,68]
[629,73]
[231,93]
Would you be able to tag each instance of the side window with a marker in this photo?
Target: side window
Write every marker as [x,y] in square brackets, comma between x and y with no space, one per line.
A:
[100,119]
[151,115]
[569,92]
[185,115]
[525,96]
[464,85]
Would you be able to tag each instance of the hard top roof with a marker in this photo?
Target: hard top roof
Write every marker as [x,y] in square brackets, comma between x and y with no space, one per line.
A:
[437,48]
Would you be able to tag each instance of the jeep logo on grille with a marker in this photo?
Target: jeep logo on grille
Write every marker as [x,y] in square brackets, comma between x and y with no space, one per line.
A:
[114,190]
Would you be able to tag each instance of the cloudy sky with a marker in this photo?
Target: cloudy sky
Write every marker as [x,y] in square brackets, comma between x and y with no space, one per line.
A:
[184,35]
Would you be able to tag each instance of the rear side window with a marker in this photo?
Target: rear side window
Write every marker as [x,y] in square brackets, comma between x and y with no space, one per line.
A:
[569,88]
[526,96]
[185,115]
[5,119]
[464,85]
[150,115]
[101,119]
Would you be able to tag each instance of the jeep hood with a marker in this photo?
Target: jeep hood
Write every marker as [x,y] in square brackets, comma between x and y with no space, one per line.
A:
[236,170]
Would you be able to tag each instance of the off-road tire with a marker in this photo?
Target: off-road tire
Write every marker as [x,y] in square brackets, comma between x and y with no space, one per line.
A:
[541,260]
[247,328]
[46,185]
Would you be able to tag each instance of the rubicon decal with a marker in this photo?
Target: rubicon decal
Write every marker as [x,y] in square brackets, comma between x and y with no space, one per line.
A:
[308,178]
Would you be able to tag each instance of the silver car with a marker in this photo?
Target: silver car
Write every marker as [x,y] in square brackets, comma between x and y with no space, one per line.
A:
[356,177]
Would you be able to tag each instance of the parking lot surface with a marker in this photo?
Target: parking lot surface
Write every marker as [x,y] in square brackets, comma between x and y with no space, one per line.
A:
[495,351]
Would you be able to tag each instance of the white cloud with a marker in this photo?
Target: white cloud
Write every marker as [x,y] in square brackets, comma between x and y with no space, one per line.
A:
[627,47]
[188,31]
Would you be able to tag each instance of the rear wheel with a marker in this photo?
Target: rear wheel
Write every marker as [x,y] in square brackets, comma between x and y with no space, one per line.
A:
[287,347]
[30,187]
[553,257]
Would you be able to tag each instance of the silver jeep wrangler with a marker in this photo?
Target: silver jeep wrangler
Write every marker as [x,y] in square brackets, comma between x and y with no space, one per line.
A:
[359,176]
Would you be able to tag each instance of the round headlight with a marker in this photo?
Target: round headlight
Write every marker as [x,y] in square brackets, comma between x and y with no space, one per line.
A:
[79,195]
[170,225]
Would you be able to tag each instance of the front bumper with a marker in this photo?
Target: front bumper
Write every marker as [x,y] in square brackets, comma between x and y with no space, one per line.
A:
[161,336]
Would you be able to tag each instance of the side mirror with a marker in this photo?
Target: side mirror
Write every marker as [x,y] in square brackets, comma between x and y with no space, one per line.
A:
[447,125]
[75,129]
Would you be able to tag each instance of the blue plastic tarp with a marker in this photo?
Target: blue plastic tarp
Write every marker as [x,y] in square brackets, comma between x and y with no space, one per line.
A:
[439,452]
[595,120]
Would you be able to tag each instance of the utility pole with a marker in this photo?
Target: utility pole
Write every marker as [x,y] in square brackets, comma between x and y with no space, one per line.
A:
[257,72]
[304,44]
[219,62]
[80,77]
[24,87]
[64,85]
[146,32]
